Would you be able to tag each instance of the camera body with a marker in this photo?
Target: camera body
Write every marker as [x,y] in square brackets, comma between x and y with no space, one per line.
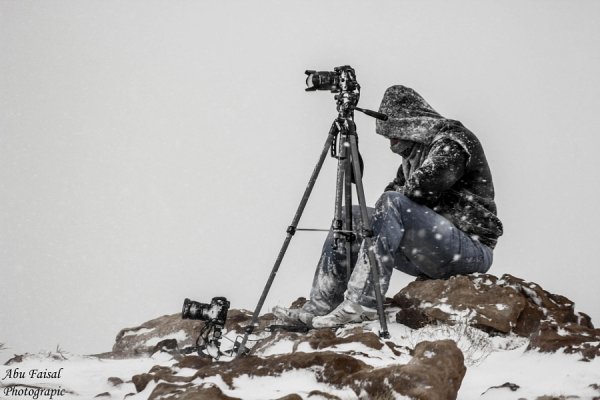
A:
[342,79]
[216,311]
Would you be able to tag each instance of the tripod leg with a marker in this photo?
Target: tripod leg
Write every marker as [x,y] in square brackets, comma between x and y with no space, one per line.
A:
[343,193]
[290,232]
[368,236]
[338,224]
[348,214]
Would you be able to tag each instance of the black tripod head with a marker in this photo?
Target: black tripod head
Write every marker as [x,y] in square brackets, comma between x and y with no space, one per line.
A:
[341,81]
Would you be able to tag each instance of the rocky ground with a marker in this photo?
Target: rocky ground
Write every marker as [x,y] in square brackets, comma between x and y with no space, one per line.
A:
[467,337]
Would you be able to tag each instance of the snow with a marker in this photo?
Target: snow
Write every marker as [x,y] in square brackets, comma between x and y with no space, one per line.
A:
[532,295]
[562,332]
[84,376]
[270,387]
[454,313]
[491,363]
[135,332]
[537,374]
[429,354]
[281,347]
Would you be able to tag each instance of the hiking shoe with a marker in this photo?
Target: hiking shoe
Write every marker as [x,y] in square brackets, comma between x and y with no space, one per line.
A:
[345,313]
[293,315]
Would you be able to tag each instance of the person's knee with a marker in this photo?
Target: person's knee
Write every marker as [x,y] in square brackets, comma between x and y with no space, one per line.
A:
[393,200]
[386,199]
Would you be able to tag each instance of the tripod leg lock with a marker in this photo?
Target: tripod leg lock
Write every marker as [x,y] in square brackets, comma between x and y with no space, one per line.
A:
[291,230]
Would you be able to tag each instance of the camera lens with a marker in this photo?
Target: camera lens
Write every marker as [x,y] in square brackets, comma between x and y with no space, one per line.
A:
[194,310]
[322,80]
[309,82]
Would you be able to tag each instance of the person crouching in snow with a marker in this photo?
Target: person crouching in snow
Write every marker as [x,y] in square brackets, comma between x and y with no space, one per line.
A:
[436,219]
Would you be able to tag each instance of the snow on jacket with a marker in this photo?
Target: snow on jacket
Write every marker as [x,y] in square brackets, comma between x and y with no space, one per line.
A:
[445,169]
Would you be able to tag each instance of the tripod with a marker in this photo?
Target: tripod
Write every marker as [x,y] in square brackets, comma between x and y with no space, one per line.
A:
[343,134]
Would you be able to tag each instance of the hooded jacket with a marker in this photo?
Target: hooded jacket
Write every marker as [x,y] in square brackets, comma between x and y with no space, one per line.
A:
[445,168]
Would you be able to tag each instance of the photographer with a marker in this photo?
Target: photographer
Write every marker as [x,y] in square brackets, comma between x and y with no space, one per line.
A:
[436,219]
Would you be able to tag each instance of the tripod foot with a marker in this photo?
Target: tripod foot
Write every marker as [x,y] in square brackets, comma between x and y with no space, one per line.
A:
[384,334]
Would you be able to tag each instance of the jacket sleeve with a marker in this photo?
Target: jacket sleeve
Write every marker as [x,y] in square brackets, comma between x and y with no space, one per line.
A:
[397,183]
[443,167]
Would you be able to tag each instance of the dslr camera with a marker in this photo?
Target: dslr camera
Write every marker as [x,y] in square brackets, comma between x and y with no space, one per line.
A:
[341,79]
[216,311]
[215,315]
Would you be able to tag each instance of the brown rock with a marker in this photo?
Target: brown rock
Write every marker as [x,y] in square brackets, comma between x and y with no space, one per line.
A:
[196,362]
[413,316]
[529,320]
[114,381]
[323,394]
[513,387]
[474,298]
[398,350]
[570,337]
[166,391]
[319,339]
[504,305]
[440,365]
[237,320]
[322,338]
[141,381]
[131,342]
[156,374]
[169,345]
[434,373]
[16,359]
[555,307]
[328,366]
[299,302]
[584,320]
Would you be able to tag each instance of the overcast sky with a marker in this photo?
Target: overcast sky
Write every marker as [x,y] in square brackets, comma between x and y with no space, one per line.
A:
[157,150]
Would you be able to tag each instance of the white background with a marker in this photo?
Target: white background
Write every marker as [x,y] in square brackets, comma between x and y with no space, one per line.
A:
[157,150]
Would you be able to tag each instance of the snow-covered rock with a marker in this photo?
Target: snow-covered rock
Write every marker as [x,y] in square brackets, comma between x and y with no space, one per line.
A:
[500,305]
[478,337]
[435,371]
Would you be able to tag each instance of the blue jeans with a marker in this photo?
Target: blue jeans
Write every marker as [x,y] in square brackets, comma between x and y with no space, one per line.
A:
[407,236]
